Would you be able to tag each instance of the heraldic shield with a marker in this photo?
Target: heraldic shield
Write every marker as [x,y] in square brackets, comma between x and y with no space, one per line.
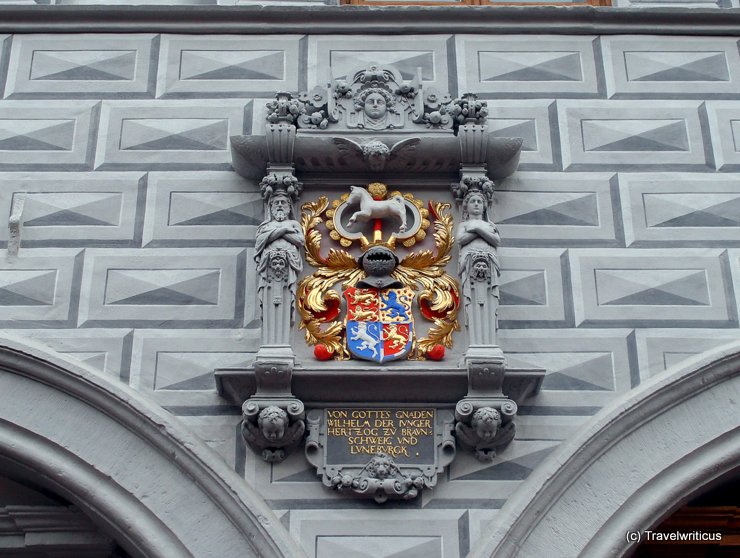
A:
[380,325]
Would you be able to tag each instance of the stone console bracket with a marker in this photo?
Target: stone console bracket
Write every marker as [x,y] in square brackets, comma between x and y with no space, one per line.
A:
[273,419]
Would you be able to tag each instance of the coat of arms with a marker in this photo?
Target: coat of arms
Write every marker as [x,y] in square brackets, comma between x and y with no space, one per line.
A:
[380,324]
[379,289]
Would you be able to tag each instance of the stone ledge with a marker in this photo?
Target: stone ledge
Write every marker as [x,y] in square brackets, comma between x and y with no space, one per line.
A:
[324,386]
[353,20]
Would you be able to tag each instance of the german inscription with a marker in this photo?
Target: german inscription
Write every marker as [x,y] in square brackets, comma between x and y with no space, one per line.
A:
[354,436]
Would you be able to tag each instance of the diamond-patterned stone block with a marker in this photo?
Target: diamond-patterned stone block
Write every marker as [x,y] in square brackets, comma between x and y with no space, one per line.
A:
[48,135]
[677,67]
[72,208]
[585,368]
[108,350]
[378,546]
[408,54]
[168,134]
[220,433]
[468,476]
[282,483]
[734,258]
[196,208]
[179,287]
[680,208]
[175,367]
[551,208]
[228,66]
[628,287]
[531,286]
[435,533]
[472,484]
[5,43]
[39,288]
[724,126]
[551,65]
[531,121]
[659,349]
[625,135]
[81,66]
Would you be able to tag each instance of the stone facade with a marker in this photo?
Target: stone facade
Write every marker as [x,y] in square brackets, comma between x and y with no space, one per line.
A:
[620,248]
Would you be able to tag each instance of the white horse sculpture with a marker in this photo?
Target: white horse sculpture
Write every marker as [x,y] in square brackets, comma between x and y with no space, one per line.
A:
[376,209]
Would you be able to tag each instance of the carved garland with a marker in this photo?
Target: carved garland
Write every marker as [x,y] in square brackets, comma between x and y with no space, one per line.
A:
[319,303]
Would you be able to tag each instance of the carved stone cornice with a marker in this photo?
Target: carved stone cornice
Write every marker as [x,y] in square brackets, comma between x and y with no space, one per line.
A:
[400,384]
[354,20]
[318,155]
[375,122]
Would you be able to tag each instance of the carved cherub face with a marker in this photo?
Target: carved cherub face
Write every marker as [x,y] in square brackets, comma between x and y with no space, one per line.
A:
[279,207]
[476,204]
[486,422]
[272,422]
[273,430]
[375,106]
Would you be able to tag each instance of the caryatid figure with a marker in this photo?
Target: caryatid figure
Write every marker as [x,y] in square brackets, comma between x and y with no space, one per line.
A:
[278,255]
[479,269]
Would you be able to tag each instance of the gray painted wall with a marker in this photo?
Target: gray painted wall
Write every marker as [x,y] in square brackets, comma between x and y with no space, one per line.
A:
[621,230]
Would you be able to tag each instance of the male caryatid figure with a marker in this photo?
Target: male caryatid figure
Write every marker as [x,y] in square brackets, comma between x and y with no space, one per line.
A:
[278,255]
[479,269]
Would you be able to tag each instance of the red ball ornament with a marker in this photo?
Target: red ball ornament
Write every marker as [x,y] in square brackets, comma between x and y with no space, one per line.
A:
[322,352]
[436,353]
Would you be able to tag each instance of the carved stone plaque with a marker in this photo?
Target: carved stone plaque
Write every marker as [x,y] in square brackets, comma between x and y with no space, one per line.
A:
[380,453]
[356,435]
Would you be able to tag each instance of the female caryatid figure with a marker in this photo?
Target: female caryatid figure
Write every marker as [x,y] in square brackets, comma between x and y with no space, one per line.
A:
[479,269]
[278,255]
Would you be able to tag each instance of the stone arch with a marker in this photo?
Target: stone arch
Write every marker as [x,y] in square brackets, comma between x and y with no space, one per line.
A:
[630,466]
[128,465]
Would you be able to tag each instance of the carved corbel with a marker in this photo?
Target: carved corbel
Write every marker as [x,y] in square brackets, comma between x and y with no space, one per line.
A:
[480,152]
[282,114]
[470,115]
[485,418]
[486,427]
[273,419]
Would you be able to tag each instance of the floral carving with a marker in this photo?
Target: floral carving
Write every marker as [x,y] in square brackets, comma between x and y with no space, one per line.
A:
[469,110]
[284,108]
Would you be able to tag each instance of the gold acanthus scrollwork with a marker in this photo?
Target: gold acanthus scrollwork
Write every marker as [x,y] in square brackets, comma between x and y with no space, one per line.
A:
[318,302]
